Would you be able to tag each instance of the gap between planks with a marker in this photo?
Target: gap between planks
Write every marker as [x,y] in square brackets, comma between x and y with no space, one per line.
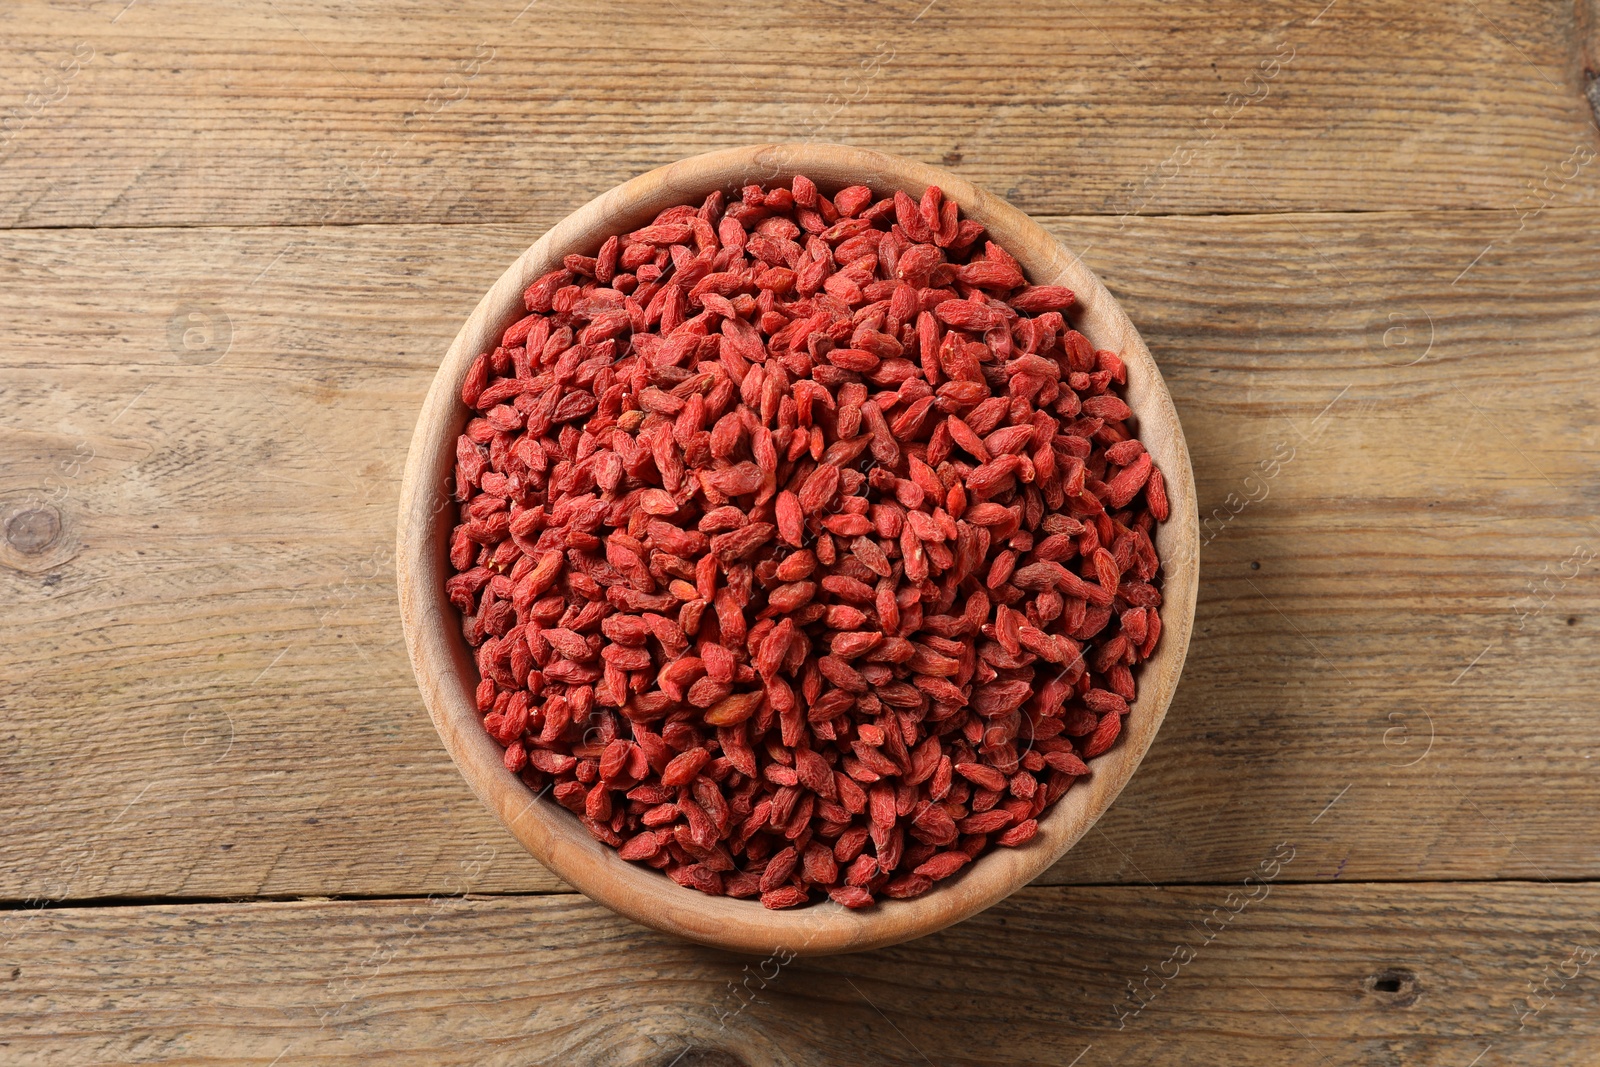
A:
[134,902]
[287,227]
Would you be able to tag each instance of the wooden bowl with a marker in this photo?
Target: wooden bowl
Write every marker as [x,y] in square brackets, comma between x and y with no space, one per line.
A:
[448,674]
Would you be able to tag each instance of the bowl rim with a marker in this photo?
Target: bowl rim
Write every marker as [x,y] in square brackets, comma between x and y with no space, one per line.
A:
[447,674]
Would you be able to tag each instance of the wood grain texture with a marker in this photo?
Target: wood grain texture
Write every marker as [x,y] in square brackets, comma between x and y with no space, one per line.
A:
[492,111]
[1358,237]
[204,691]
[1399,975]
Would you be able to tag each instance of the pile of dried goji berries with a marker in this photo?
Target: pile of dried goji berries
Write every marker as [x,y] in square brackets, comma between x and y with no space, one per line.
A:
[804,545]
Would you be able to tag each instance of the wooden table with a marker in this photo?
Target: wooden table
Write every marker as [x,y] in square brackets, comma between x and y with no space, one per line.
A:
[1360,237]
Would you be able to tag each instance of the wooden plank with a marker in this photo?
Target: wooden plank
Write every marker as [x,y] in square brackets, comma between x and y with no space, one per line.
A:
[1407,975]
[183,113]
[212,641]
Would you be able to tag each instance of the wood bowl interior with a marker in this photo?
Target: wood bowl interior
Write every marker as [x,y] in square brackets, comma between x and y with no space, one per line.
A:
[447,674]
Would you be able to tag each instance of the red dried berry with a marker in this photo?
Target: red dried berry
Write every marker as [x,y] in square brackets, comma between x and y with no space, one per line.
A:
[803,547]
